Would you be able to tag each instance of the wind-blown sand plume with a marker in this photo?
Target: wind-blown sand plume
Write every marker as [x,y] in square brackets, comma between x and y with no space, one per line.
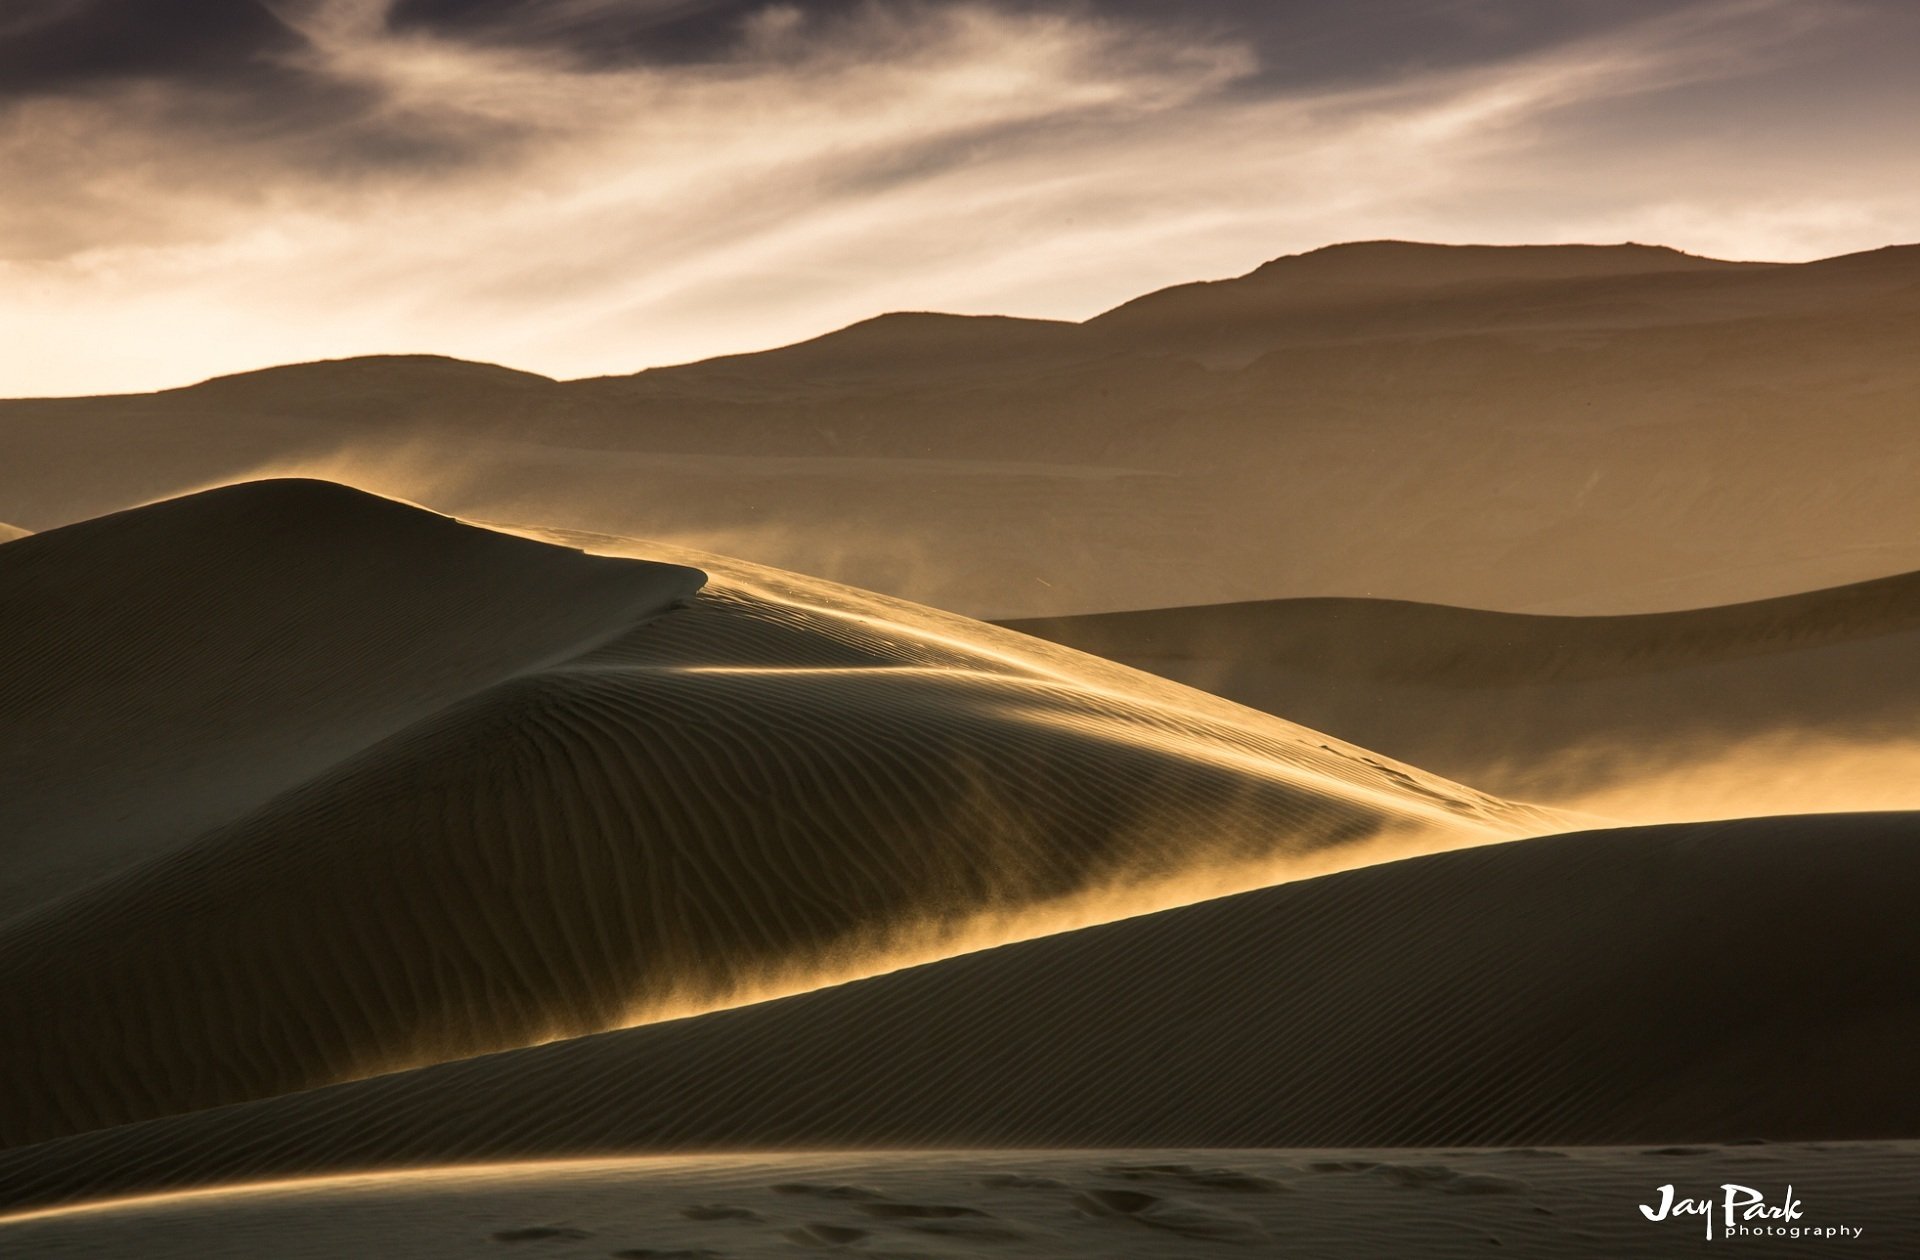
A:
[1692,983]
[1794,705]
[670,805]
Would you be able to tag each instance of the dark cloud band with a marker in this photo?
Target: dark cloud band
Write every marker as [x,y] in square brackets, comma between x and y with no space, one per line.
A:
[51,47]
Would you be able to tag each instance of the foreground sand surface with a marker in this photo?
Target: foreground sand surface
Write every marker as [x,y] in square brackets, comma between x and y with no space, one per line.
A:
[1319,1204]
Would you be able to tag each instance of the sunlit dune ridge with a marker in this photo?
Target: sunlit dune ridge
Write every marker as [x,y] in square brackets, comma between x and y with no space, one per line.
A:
[606,794]
[1696,983]
[1797,704]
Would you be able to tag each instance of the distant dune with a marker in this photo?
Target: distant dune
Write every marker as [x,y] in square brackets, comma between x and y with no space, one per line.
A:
[1579,429]
[1699,983]
[10,532]
[1795,704]
[315,785]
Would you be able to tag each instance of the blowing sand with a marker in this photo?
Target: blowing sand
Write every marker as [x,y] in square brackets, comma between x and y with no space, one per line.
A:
[1793,705]
[1702,983]
[386,790]
[381,883]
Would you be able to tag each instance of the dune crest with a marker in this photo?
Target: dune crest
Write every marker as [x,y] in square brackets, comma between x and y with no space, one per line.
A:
[1682,984]
[1801,704]
[167,669]
[683,795]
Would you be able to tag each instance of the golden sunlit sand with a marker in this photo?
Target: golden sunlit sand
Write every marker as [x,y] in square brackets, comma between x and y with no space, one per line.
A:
[371,837]
[950,629]
[541,794]
[1505,995]
[1801,704]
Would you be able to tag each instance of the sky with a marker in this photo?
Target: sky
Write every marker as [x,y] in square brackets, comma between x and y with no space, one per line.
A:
[589,187]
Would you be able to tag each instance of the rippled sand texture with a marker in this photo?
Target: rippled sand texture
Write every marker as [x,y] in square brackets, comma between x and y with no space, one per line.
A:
[319,786]
[1691,983]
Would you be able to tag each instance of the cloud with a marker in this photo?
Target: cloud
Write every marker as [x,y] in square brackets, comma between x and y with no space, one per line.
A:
[53,46]
[587,186]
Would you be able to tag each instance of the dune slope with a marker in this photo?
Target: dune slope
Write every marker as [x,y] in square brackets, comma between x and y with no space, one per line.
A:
[1704,982]
[166,669]
[1798,704]
[705,797]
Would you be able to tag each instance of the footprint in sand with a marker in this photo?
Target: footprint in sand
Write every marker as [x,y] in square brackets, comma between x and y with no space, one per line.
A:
[718,1212]
[1199,1178]
[820,1234]
[1174,1215]
[820,1191]
[917,1211]
[541,1233]
[1021,1181]
[1449,1181]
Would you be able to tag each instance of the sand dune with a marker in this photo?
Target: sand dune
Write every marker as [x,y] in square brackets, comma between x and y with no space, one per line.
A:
[1529,429]
[10,532]
[362,788]
[167,669]
[1695,983]
[1799,704]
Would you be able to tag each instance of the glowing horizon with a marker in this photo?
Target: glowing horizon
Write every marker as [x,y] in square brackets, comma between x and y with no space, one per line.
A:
[356,177]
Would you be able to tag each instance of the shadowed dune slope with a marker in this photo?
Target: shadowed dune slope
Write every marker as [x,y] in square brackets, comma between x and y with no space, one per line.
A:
[770,781]
[1558,709]
[1702,982]
[166,669]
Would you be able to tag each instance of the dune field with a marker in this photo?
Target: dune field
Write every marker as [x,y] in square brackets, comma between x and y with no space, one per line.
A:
[1800,704]
[539,794]
[1365,829]
[959,629]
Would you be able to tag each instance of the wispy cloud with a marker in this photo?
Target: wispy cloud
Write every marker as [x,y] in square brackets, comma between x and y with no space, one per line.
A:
[410,185]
